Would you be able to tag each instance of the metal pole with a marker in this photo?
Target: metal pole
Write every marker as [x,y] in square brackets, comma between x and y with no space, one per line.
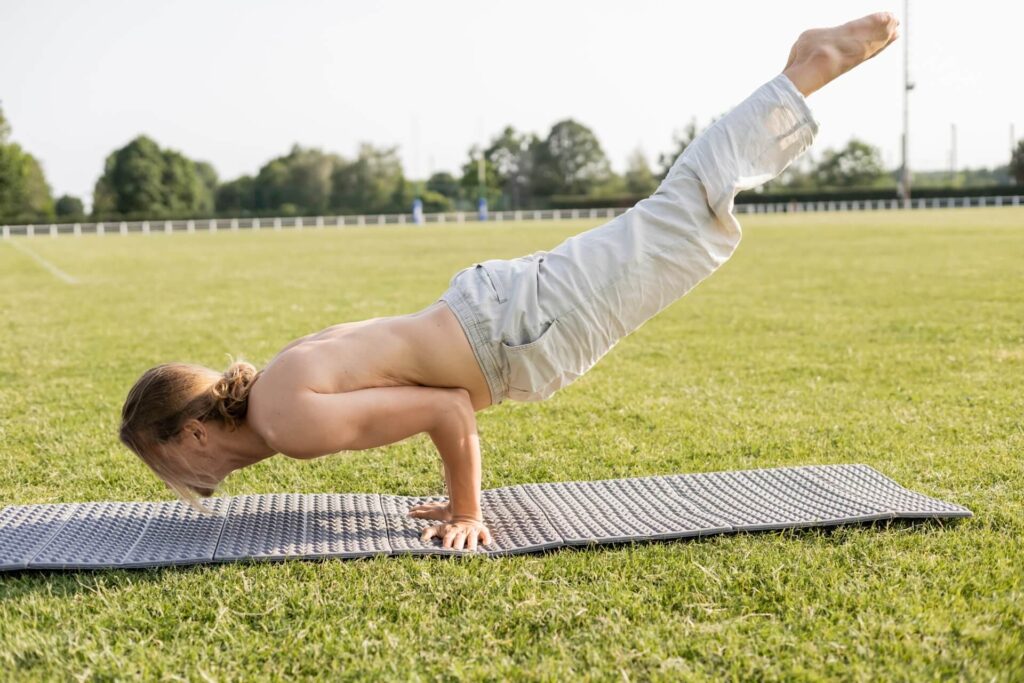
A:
[481,174]
[952,155]
[907,87]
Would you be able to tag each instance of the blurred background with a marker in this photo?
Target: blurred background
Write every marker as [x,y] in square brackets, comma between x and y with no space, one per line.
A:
[130,110]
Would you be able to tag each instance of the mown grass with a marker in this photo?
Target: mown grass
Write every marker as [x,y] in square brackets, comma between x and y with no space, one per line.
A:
[891,339]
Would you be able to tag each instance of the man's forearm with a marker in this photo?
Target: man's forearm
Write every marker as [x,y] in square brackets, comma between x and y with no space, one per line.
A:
[456,439]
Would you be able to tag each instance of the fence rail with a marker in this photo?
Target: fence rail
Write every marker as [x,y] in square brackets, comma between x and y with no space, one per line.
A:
[321,222]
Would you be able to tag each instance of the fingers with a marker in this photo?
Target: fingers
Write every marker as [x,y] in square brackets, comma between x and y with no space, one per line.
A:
[483,534]
[456,537]
[424,514]
[435,510]
[428,533]
[425,507]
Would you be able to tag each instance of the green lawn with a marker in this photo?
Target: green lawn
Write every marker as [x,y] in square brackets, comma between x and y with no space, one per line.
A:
[891,339]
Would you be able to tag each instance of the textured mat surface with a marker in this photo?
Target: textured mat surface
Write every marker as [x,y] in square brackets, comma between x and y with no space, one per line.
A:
[516,523]
[177,534]
[522,519]
[279,526]
[616,510]
[24,530]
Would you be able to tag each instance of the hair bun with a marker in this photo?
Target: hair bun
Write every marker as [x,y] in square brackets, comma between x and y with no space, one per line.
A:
[231,392]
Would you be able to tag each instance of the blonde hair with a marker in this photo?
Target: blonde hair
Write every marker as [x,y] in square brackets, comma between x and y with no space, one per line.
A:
[167,396]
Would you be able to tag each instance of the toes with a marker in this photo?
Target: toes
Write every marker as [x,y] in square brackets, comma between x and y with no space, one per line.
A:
[884,25]
[883,18]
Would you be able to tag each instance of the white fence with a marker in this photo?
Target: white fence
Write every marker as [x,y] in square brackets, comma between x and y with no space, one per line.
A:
[883,204]
[321,222]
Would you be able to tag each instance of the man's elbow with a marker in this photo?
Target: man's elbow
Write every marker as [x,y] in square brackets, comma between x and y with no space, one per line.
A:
[455,409]
[459,400]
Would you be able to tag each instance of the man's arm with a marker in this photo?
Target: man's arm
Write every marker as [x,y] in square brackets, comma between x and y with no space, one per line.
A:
[310,425]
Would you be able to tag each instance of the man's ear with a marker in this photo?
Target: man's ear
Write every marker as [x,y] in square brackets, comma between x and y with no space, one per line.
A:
[195,430]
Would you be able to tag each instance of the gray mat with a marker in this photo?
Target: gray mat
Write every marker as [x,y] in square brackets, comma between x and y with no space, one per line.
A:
[95,535]
[26,529]
[177,534]
[616,510]
[522,519]
[280,526]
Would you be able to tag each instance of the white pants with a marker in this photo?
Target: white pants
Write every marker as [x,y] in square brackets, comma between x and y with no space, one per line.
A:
[538,322]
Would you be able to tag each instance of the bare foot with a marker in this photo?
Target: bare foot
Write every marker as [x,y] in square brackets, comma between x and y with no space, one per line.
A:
[822,54]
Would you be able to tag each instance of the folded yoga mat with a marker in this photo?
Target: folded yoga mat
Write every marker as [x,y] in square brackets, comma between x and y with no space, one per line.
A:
[522,519]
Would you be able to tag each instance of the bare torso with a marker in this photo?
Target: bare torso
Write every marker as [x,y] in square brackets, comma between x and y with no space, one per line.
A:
[427,348]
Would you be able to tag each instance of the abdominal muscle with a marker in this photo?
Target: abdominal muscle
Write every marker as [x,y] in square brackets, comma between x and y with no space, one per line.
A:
[427,348]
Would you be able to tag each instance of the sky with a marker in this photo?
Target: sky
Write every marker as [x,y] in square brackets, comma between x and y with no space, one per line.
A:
[238,82]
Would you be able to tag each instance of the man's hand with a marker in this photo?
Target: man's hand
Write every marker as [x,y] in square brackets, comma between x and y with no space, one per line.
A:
[437,510]
[459,534]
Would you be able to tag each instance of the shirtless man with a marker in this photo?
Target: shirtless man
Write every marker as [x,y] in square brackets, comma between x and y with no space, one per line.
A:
[518,329]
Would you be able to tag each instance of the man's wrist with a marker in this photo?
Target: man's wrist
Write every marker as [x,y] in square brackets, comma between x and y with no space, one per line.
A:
[478,517]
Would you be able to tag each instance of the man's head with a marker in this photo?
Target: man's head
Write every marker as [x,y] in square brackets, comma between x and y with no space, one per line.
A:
[175,412]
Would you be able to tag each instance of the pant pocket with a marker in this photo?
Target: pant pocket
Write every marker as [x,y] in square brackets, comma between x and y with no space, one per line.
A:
[537,370]
[491,278]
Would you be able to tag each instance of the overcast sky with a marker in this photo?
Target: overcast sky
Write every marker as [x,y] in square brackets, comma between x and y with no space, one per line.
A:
[238,82]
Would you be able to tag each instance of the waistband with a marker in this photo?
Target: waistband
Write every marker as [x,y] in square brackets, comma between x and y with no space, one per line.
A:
[479,340]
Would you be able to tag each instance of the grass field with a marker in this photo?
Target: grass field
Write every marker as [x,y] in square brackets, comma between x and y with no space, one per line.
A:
[891,339]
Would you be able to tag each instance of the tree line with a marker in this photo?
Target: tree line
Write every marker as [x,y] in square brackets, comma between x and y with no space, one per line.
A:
[516,170]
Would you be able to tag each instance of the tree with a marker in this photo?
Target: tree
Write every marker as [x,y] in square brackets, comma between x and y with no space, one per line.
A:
[237,196]
[309,179]
[308,183]
[509,162]
[856,165]
[512,156]
[639,180]
[1017,163]
[681,139]
[141,179]
[569,161]
[444,184]
[434,202]
[373,183]
[798,176]
[209,180]
[132,180]
[69,208]
[270,186]
[24,192]
[299,182]
[471,176]
[35,201]
[183,190]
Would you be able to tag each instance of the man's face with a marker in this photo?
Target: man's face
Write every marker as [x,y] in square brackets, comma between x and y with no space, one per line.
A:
[191,460]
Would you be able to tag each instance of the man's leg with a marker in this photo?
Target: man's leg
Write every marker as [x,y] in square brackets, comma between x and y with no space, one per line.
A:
[602,284]
[758,139]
